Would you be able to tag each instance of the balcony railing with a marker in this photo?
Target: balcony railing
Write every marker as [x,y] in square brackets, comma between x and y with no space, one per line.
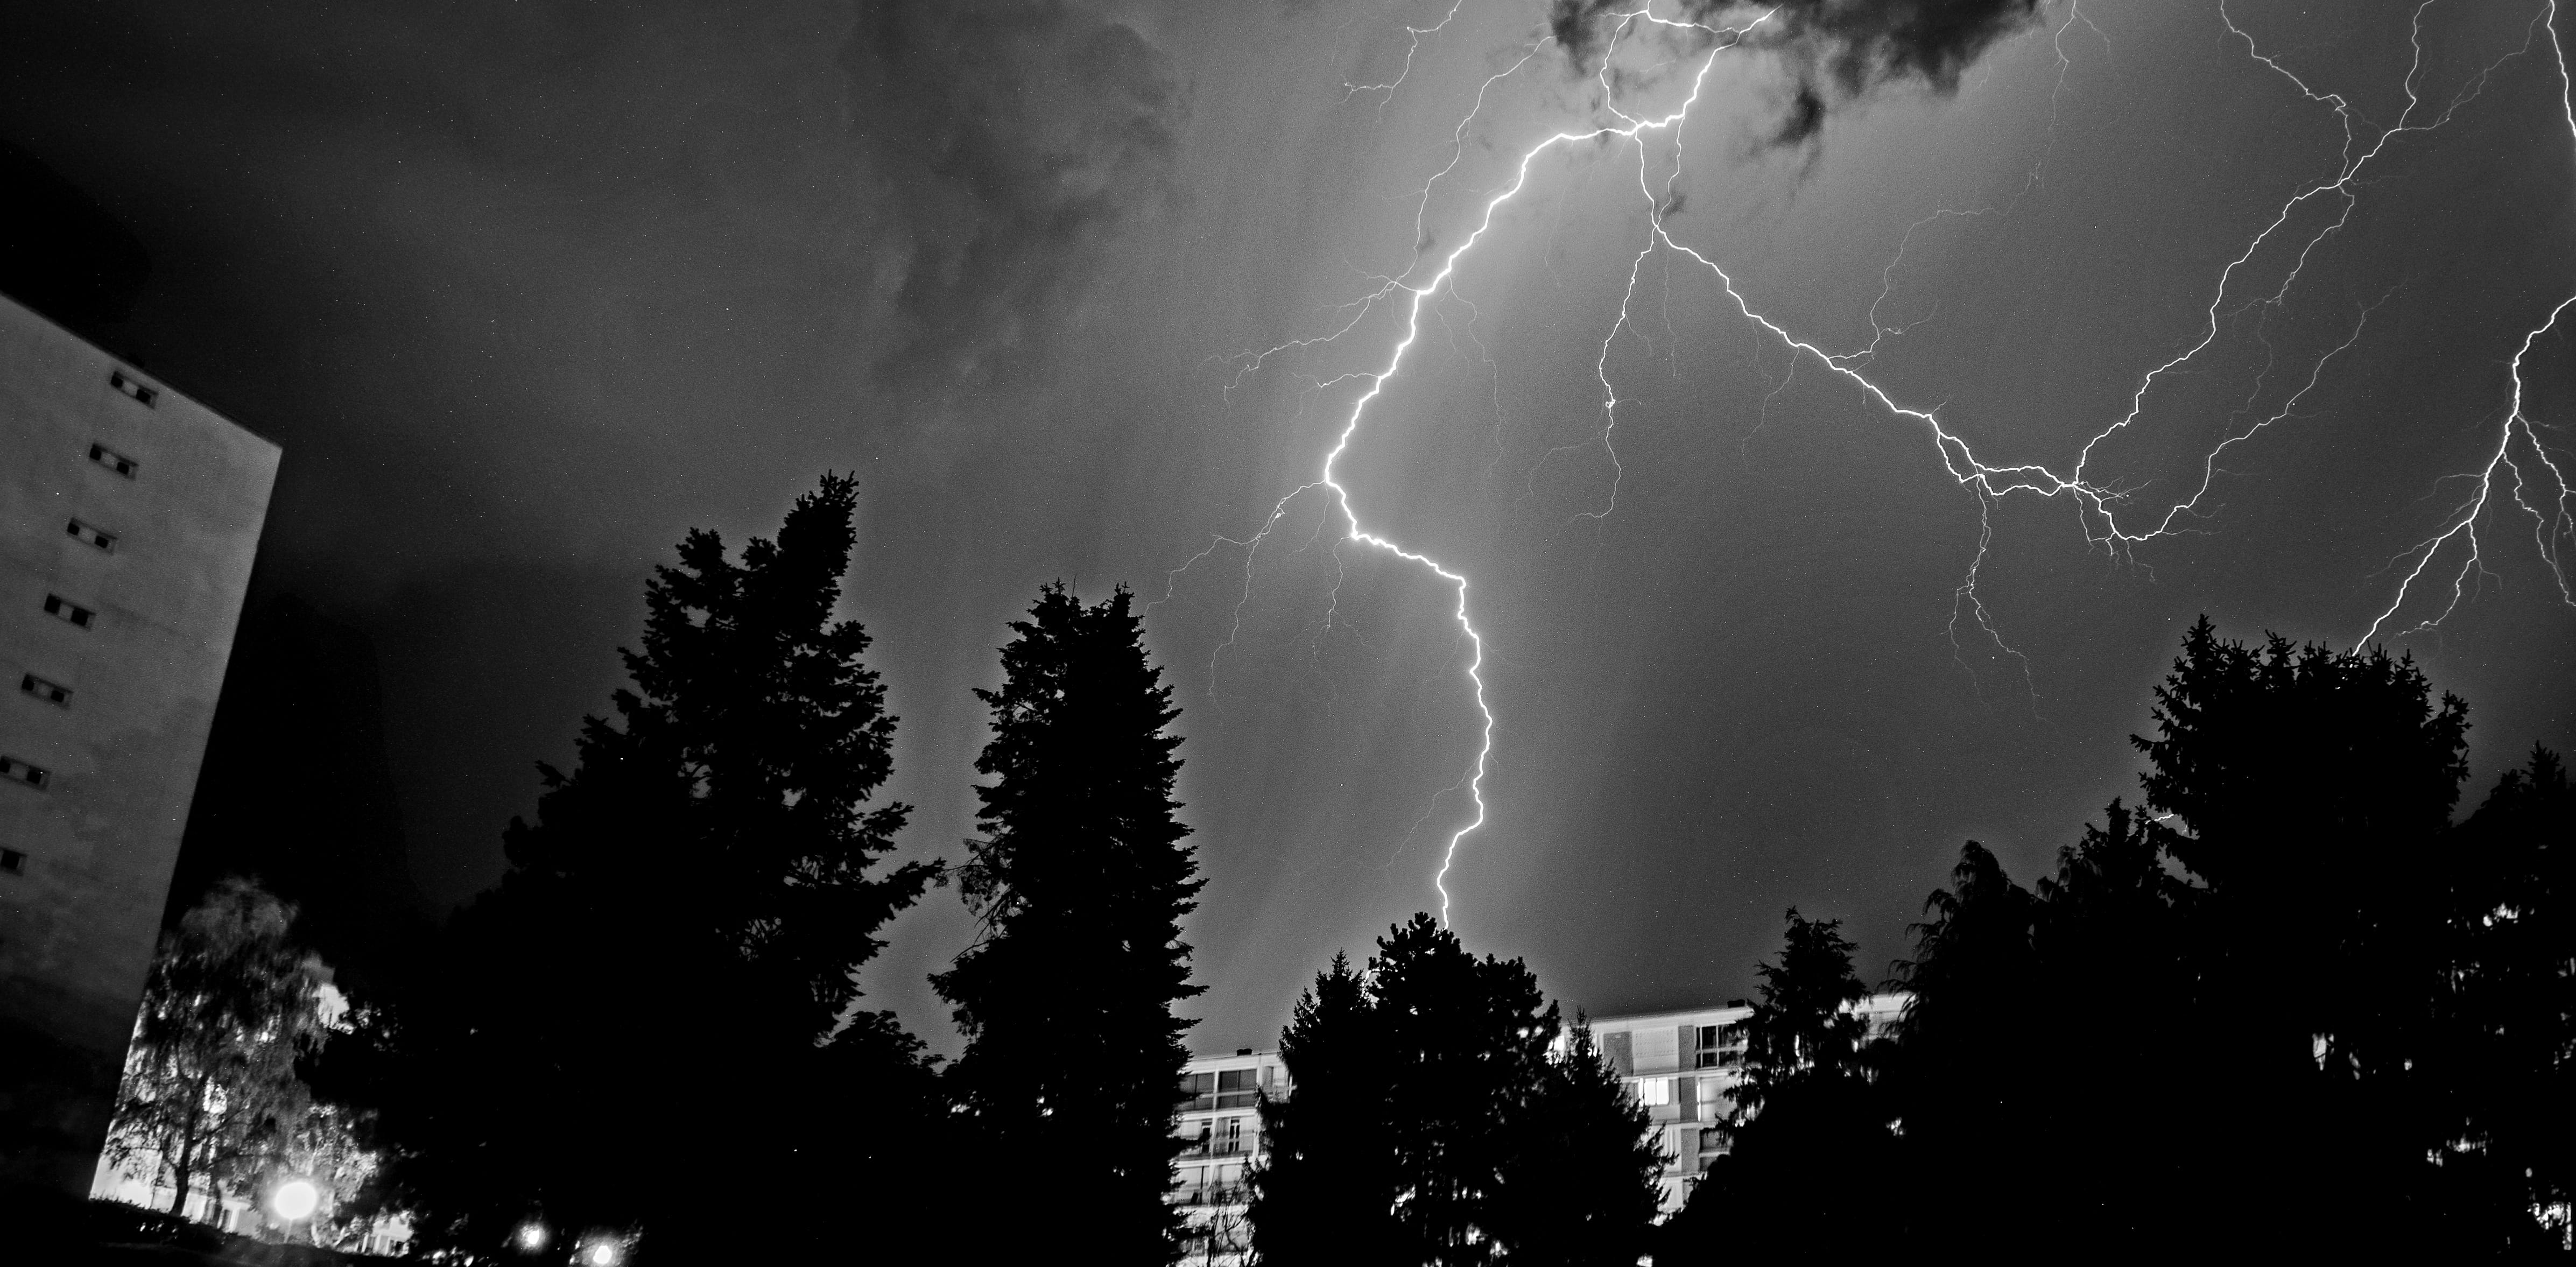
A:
[1220,1100]
[1217,1148]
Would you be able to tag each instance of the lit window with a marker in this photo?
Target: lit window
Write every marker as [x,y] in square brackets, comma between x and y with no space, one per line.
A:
[50,692]
[13,861]
[143,393]
[1652,1091]
[89,535]
[113,460]
[17,771]
[59,606]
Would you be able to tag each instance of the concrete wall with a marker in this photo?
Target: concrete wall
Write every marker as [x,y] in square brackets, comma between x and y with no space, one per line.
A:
[93,847]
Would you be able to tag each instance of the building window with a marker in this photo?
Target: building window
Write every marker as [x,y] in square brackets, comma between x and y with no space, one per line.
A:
[143,393]
[1707,1048]
[59,606]
[1237,1088]
[112,460]
[1198,1092]
[17,771]
[13,861]
[50,692]
[89,535]
[1653,1091]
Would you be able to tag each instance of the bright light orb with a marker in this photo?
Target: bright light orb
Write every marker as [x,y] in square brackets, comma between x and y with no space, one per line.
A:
[532,1236]
[604,1254]
[294,1199]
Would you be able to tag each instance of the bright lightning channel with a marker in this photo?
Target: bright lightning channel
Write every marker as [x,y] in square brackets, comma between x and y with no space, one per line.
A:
[2097,504]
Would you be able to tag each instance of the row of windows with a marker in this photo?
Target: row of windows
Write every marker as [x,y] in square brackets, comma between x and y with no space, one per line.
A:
[1221,1089]
[18,770]
[1660,1091]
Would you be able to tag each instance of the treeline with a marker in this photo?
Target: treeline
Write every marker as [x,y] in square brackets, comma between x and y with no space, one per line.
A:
[650,1034]
[2291,1002]
[2287,1005]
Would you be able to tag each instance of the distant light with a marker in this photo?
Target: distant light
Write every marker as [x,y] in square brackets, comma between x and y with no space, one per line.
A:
[294,1199]
[604,1254]
[532,1236]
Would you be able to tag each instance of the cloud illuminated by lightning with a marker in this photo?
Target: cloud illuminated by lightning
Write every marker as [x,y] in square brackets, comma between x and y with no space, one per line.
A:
[2539,485]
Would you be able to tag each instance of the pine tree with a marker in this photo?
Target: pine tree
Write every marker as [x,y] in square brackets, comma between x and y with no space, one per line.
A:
[1081,882]
[1325,1191]
[624,1033]
[1814,1140]
[1581,1186]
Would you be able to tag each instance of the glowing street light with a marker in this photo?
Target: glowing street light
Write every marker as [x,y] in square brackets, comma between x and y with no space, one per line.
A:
[295,1200]
[601,1251]
[531,1237]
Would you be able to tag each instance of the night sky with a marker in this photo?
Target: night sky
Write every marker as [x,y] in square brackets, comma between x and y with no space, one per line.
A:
[528,290]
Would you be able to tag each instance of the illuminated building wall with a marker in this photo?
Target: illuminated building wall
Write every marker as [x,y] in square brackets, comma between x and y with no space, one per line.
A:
[129,515]
[1684,1066]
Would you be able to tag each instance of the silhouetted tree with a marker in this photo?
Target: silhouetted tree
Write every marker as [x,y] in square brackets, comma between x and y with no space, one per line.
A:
[2309,792]
[1811,1150]
[1073,1054]
[626,1032]
[210,1091]
[1581,1184]
[1466,1047]
[1435,1117]
[1325,1192]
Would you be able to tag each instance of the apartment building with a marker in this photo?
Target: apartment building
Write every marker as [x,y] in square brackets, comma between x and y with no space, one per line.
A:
[1683,1066]
[129,515]
[1221,1134]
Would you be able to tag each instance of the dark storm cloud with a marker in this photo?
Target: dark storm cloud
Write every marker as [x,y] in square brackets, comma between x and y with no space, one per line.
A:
[1837,51]
[1023,137]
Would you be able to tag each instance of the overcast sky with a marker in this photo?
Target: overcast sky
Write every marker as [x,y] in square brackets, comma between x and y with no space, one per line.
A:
[526,291]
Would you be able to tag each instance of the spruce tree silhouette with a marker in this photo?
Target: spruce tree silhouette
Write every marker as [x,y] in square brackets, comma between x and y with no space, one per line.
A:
[625,1033]
[1073,1054]
[1325,1192]
[1812,1148]
[1581,1183]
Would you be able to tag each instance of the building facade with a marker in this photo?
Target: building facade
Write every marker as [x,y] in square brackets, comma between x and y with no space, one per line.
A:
[1221,1137]
[129,515]
[1684,1066]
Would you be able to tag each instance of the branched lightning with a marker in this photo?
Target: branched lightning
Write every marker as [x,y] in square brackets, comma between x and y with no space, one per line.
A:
[2538,483]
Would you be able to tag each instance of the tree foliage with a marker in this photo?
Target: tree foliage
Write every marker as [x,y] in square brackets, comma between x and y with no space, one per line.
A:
[1080,884]
[210,1094]
[1811,1140]
[2288,1004]
[632,1029]
[1440,1113]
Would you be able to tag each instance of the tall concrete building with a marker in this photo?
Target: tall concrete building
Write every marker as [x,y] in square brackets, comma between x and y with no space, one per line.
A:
[129,515]
[1220,1136]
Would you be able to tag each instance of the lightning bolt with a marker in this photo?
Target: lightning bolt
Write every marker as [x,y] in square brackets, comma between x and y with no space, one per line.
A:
[2519,454]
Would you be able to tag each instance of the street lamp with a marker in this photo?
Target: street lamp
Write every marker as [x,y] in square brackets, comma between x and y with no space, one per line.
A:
[531,1237]
[294,1201]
